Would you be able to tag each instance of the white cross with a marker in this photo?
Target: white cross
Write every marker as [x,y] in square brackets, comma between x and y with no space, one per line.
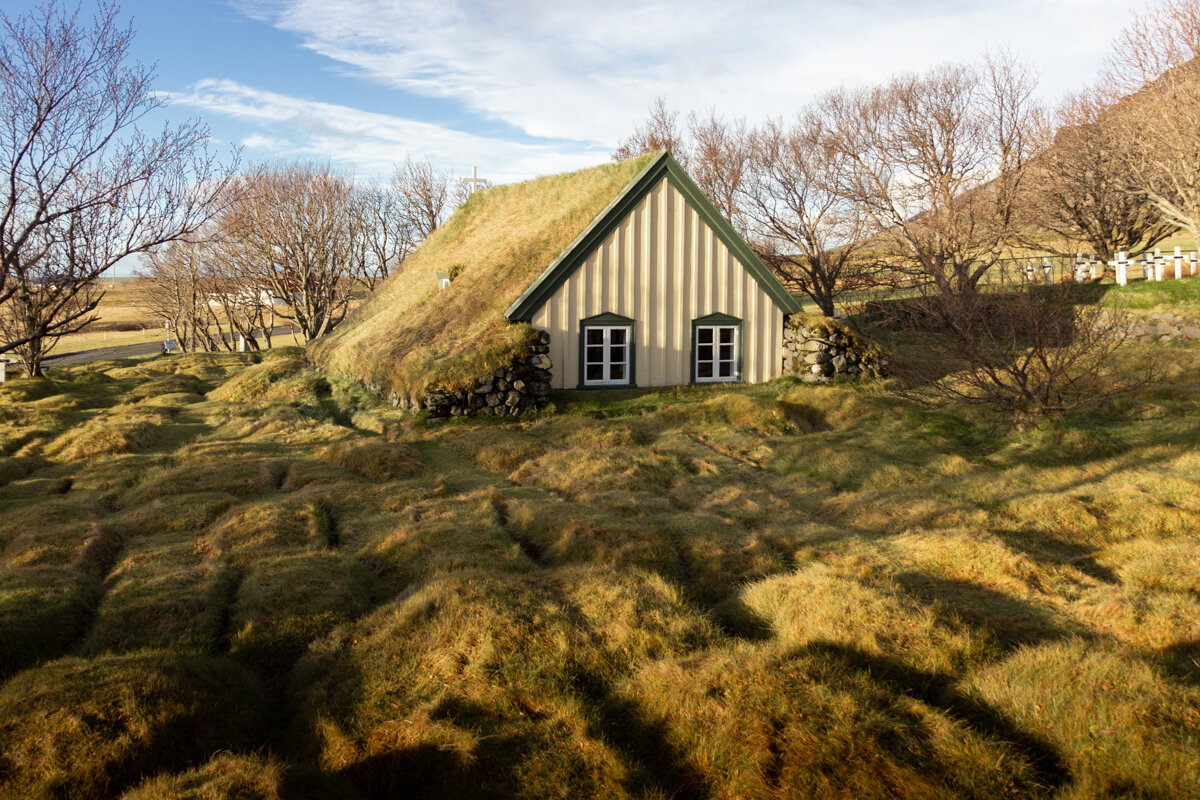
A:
[474,182]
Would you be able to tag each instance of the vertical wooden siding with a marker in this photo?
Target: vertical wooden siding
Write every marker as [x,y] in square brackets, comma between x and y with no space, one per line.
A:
[664,267]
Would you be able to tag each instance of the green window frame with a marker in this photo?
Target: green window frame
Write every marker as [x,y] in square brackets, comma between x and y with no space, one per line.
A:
[716,355]
[607,352]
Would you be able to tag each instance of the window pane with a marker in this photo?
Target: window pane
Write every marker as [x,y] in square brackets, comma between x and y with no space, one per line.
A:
[617,373]
[616,354]
[727,335]
[705,352]
[595,355]
[724,369]
[595,336]
[704,335]
[704,369]
[726,352]
[617,335]
[595,372]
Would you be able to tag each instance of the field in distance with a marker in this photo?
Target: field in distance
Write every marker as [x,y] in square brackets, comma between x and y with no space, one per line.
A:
[228,575]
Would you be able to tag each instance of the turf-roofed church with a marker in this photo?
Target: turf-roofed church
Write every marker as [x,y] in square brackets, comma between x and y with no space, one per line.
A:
[621,275]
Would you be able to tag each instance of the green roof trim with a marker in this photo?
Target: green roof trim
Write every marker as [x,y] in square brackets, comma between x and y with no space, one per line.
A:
[599,228]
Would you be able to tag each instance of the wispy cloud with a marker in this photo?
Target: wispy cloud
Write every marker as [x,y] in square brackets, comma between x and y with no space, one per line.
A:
[364,141]
[587,72]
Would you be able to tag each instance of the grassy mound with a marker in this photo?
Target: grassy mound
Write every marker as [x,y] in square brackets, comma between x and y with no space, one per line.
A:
[780,590]
[409,337]
[76,728]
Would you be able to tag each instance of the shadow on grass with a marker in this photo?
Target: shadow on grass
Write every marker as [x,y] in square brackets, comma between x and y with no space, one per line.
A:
[1053,551]
[738,621]
[1012,622]
[656,767]
[938,691]
[431,770]
[1182,660]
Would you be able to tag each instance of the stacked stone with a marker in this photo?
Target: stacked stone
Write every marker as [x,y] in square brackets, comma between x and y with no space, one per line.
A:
[1166,327]
[825,351]
[509,391]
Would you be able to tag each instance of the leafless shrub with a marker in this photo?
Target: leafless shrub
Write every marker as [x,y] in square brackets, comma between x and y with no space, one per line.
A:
[1029,353]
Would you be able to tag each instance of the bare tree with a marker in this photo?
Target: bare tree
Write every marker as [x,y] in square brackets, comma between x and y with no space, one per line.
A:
[1083,189]
[715,150]
[173,288]
[387,236]
[938,164]
[812,236]
[1155,65]
[717,157]
[425,197]
[291,229]
[207,300]
[660,131]
[83,186]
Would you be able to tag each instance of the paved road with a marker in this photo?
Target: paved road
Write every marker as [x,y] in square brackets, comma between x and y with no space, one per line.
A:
[144,349]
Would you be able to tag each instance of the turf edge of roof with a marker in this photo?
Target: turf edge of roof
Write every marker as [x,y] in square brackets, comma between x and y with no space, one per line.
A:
[598,229]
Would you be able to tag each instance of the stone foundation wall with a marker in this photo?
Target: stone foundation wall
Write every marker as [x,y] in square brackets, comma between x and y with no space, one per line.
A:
[1166,327]
[826,350]
[523,385]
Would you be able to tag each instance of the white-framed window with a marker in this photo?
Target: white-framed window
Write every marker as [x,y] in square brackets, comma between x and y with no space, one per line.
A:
[717,353]
[606,355]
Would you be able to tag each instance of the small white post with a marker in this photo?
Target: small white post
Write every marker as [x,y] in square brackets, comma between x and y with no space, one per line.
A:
[1178,263]
[3,367]
[1046,270]
[241,346]
[1094,264]
[1122,267]
[1160,266]
[1192,261]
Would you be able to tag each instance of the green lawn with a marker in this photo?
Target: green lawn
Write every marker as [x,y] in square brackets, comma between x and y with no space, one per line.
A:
[225,575]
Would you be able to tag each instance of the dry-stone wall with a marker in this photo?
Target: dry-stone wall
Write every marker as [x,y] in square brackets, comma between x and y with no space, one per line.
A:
[1166,327]
[521,386]
[826,350]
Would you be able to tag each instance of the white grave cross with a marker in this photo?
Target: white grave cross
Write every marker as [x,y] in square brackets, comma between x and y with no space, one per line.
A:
[1122,268]
[474,182]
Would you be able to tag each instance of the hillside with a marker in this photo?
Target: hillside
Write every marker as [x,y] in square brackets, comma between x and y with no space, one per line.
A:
[232,577]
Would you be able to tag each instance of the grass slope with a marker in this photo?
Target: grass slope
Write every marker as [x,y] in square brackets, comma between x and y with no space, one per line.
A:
[228,576]
[408,337]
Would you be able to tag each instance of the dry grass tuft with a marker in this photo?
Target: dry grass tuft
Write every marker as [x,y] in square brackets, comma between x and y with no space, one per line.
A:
[134,430]
[373,459]
[225,776]
[258,382]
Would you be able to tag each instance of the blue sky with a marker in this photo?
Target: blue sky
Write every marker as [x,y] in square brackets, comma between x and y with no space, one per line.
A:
[528,87]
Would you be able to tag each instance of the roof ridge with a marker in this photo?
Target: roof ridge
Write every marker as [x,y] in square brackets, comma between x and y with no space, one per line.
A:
[664,163]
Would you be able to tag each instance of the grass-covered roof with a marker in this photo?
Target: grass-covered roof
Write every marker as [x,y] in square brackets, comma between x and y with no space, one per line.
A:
[409,337]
